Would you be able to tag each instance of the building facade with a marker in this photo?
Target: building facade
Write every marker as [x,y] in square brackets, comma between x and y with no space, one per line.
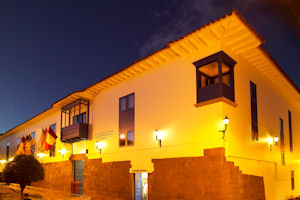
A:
[158,129]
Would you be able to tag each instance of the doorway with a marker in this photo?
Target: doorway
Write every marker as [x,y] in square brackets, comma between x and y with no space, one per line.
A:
[77,186]
[141,186]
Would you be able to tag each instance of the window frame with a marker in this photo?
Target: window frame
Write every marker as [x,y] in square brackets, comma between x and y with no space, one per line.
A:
[18,142]
[79,118]
[7,150]
[52,151]
[292,180]
[290,131]
[254,113]
[282,146]
[127,109]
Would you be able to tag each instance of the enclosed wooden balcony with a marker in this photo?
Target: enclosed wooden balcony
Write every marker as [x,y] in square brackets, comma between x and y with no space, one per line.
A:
[215,77]
[74,120]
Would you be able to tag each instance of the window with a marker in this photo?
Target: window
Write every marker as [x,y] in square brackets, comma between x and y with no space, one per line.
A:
[126,120]
[18,142]
[281,135]
[282,142]
[215,77]
[290,131]
[81,118]
[292,180]
[33,135]
[52,148]
[254,120]
[130,138]
[7,150]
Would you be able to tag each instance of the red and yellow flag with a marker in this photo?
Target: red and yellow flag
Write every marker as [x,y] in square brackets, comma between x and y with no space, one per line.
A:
[50,139]
[21,147]
[43,140]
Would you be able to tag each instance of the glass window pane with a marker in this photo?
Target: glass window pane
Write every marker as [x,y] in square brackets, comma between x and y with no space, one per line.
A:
[226,78]
[75,119]
[83,117]
[204,81]
[33,135]
[18,140]
[123,104]
[215,80]
[131,101]
[130,138]
[53,127]
[210,69]
[225,68]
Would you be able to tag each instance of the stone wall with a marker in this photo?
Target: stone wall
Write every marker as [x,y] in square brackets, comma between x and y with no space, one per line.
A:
[108,181]
[58,176]
[208,177]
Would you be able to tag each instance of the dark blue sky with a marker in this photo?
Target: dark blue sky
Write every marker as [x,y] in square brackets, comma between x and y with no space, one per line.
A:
[50,48]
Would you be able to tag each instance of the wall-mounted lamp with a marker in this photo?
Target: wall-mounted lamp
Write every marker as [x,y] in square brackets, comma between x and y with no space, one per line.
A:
[62,152]
[226,122]
[276,139]
[159,135]
[271,142]
[100,145]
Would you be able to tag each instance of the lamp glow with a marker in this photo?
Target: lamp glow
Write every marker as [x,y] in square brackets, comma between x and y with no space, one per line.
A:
[11,158]
[276,139]
[62,151]
[159,135]
[226,120]
[270,140]
[100,146]
[122,136]
[41,155]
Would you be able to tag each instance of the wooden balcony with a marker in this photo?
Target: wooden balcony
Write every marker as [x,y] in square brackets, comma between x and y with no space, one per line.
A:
[74,133]
[215,91]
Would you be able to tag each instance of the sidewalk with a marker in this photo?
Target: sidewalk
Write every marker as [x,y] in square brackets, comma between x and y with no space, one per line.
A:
[12,192]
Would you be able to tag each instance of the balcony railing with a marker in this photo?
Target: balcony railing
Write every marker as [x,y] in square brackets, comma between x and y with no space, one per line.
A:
[75,132]
[215,91]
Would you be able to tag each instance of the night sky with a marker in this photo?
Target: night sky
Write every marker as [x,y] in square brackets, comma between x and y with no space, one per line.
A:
[50,48]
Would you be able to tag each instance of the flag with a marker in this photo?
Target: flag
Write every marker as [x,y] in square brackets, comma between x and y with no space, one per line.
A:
[50,139]
[42,142]
[30,143]
[21,147]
